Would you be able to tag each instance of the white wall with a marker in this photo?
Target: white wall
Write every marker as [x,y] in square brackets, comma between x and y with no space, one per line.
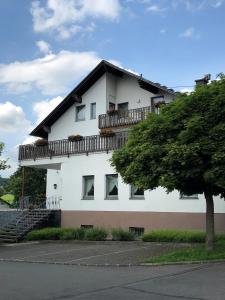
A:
[66,125]
[107,88]
[74,167]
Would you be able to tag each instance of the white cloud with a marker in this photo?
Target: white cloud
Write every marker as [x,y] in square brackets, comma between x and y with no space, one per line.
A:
[189,33]
[43,108]
[162,31]
[217,4]
[44,47]
[66,17]
[51,74]
[155,8]
[12,119]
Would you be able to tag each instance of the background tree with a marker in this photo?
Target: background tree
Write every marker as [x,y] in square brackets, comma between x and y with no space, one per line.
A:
[34,183]
[3,163]
[182,148]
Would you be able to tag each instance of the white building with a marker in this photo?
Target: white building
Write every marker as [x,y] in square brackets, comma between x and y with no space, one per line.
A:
[79,171]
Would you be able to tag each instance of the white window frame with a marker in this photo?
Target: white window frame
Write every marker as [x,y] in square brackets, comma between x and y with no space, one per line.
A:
[91,111]
[135,197]
[107,196]
[76,117]
[85,197]
[191,197]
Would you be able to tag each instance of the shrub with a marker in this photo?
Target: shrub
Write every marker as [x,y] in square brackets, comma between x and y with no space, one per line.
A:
[174,236]
[95,234]
[119,234]
[72,234]
[44,234]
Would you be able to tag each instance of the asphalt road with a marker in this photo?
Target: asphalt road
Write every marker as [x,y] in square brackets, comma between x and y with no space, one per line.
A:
[102,270]
[32,281]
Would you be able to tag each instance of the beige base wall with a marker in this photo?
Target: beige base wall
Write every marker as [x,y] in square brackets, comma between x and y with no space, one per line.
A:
[148,220]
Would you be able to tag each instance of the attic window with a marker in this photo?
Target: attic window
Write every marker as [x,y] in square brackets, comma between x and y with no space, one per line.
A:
[80,113]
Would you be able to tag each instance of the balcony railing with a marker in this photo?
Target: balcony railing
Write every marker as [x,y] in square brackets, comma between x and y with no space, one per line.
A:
[94,143]
[123,118]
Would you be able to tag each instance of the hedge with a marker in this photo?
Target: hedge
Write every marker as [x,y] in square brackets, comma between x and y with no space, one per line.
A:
[119,234]
[177,236]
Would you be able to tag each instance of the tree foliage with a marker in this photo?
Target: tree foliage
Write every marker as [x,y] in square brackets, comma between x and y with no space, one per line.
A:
[34,183]
[182,148]
[3,163]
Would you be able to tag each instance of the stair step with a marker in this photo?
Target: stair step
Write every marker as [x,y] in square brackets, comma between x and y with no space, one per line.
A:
[8,240]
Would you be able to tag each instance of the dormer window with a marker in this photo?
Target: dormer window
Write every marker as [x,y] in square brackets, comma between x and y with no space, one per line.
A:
[80,113]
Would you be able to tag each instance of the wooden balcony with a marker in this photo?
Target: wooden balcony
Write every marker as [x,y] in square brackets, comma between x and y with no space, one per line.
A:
[123,118]
[95,143]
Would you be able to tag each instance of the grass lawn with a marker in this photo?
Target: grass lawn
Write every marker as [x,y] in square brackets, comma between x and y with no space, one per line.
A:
[8,198]
[195,253]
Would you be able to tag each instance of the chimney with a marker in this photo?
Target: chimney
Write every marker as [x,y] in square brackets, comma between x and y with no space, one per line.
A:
[204,80]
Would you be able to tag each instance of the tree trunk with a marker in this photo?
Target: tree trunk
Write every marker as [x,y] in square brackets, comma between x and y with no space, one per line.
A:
[210,230]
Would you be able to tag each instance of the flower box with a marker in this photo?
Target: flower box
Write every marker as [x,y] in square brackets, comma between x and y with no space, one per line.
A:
[112,112]
[75,138]
[41,142]
[107,132]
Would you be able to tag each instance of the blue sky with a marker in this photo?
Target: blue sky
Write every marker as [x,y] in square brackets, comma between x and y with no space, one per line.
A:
[48,46]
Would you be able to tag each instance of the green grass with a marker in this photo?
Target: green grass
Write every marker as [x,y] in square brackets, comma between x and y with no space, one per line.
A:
[119,234]
[8,198]
[195,253]
[176,236]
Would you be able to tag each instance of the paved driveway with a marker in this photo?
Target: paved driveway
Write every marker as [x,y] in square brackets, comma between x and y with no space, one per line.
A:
[85,253]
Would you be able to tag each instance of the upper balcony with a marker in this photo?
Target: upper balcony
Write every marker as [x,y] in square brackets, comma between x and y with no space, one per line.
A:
[95,143]
[117,118]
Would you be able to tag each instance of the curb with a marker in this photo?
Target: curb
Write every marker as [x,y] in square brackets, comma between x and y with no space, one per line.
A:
[114,265]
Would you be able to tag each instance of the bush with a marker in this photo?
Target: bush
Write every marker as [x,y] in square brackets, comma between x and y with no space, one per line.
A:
[178,236]
[95,234]
[119,234]
[72,234]
[174,236]
[44,234]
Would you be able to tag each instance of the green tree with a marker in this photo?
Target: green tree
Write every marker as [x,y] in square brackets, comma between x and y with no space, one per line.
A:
[182,148]
[34,183]
[3,163]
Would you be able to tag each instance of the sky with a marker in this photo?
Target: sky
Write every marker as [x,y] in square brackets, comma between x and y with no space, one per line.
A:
[48,46]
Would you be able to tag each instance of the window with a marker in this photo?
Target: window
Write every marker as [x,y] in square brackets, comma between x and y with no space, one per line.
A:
[112,186]
[138,231]
[122,107]
[183,196]
[93,111]
[88,187]
[136,193]
[112,106]
[80,113]
[86,226]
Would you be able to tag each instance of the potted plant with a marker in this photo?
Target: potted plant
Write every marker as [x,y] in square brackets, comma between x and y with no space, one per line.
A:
[41,142]
[112,112]
[158,104]
[75,138]
[107,132]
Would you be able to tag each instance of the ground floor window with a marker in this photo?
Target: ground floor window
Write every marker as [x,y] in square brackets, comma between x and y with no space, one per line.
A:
[112,186]
[138,231]
[136,193]
[183,196]
[88,187]
[86,226]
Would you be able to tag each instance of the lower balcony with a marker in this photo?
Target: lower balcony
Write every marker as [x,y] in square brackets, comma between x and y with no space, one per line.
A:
[118,118]
[94,143]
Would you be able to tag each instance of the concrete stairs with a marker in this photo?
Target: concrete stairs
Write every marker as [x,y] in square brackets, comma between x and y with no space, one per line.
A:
[28,220]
